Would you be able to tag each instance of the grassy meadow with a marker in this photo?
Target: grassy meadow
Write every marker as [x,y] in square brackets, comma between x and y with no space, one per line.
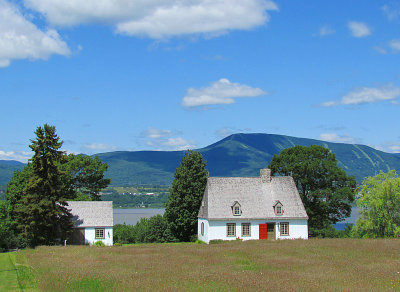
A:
[316,264]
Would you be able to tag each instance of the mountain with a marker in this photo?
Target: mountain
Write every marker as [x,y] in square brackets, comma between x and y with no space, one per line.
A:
[240,155]
[236,155]
[7,168]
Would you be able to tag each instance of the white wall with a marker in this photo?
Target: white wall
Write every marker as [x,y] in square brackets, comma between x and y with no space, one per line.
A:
[90,235]
[206,230]
[216,229]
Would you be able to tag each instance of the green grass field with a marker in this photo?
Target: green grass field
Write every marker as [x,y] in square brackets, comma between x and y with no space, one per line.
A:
[313,265]
[15,274]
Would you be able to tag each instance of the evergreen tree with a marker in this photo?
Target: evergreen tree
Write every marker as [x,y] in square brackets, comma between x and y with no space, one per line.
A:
[186,193]
[325,189]
[41,215]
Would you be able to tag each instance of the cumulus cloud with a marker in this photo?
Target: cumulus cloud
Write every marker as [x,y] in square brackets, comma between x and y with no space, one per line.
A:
[21,39]
[158,18]
[333,137]
[326,30]
[380,50]
[21,156]
[389,146]
[220,92]
[99,147]
[367,95]
[359,29]
[395,45]
[160,139]
[392,10]
[227,131]
[155,133]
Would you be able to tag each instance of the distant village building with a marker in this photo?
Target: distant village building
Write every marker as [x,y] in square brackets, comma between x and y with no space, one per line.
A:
[93,221]
[262,207]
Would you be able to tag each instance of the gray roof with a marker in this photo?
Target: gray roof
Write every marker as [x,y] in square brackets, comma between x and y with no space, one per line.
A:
[257,198]
[91,213]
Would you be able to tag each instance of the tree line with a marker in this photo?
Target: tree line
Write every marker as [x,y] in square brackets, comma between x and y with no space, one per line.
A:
[35,211]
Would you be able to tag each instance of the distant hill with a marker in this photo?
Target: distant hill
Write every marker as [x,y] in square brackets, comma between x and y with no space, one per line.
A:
[236,155]
[7,168]
[240,155]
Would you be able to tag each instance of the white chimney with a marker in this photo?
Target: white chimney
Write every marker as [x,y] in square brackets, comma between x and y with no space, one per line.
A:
[265,175]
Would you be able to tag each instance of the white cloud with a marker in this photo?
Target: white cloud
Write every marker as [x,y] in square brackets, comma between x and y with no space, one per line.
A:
[99,147]
[392,10]
[159,139]
[220,92]
[359,29]
[179,143]
[333,137]
[227,131]
[154,133]
[21,156]
[395,45]
[380,50]
[326,30]
[389,146]
[367,95]
[158,18]
[21,39]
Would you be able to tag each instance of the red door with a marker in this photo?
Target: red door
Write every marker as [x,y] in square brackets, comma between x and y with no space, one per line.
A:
[262,231]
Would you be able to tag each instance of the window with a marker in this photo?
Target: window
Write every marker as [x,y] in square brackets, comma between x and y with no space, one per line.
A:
[202,228]
[285,228]
[230,229]
[236,209]
[278,207]
[246,229]
[99,233]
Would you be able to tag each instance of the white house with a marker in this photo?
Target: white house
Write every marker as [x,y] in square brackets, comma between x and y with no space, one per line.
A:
[262,207]
[93,221]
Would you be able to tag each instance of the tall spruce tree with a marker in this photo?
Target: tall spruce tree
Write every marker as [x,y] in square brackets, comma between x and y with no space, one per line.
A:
[186,193]
[41,215]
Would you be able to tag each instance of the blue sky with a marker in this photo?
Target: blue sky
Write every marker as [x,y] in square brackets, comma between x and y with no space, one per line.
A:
[167,75]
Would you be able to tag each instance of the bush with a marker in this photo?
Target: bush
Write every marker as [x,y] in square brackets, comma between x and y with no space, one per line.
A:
[98,243]
[198,241]
[117,244]
[216,241]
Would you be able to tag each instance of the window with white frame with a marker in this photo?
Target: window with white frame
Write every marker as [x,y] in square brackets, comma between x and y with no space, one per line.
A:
[230,229]
[278,210]
[284,228]
[99,233]
[246,229]
[236,209]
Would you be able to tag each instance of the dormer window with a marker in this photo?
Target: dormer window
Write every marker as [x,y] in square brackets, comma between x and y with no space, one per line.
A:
[236,212]
[278,207]
[236,209]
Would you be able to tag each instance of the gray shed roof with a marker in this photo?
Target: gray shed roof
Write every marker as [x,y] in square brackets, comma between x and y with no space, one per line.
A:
[256,197]
[91,213]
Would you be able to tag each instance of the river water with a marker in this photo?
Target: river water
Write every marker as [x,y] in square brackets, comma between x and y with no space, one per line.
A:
[132,216]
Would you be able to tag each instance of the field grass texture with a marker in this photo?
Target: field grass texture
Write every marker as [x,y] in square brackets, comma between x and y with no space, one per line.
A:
[301,265]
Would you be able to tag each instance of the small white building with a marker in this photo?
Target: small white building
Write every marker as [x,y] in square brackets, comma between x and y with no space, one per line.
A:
[262,207]
[93,221]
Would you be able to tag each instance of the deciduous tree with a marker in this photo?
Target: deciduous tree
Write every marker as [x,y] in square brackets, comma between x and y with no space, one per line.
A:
[379,205]
[325,189]
[85,176]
